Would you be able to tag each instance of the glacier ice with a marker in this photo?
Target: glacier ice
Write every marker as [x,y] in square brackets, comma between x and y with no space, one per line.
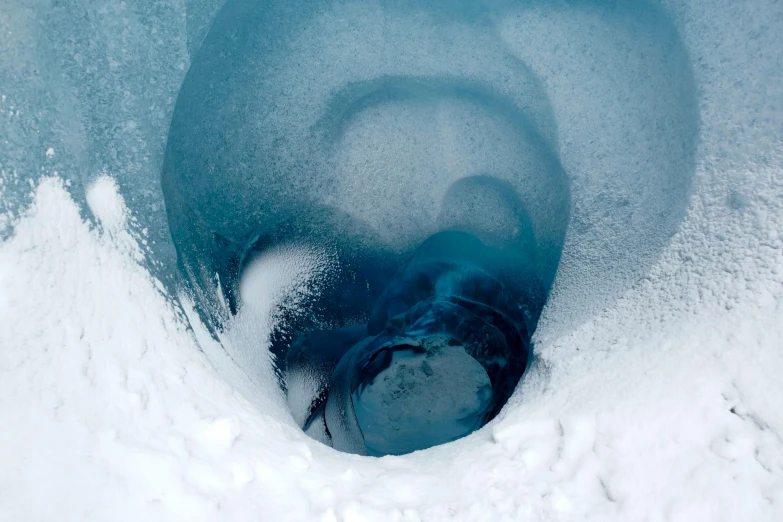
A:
[443,350]
[436,122]
[278,137]
[653,389]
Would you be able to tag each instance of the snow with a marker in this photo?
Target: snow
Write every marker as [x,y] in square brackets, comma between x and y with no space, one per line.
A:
[115,405]
[115,413]
[106,204]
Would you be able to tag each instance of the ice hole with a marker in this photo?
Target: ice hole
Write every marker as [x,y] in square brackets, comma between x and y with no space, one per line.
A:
[427,161]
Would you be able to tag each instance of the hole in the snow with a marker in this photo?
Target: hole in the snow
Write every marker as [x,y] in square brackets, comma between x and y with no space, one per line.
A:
[374,193]
[432,363]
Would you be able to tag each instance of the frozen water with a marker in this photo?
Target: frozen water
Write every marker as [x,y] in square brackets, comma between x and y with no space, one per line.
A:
[278,137]
[654,392]
[436,122]
[445,345]
[422,400]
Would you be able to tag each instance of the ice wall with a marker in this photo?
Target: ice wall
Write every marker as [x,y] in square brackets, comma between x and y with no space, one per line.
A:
[358,129]
[346,124]
[89,89]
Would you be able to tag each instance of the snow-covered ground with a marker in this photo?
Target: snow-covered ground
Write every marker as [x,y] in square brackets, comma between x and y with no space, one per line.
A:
[668,405]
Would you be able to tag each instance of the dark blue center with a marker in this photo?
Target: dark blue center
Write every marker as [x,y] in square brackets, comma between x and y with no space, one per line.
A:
[445,346]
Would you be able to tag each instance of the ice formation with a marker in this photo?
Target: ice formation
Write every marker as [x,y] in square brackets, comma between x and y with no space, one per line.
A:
[278,137]
[443,349]
[643,140]
[436,122]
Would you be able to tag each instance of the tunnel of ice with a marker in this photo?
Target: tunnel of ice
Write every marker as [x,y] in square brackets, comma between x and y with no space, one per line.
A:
[653,389]
[355,131]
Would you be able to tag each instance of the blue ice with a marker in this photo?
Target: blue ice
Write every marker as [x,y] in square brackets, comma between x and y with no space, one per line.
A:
[446,173]
[444,347]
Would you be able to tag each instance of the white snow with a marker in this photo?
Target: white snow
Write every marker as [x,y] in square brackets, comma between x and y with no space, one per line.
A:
[666,407]
[106,203]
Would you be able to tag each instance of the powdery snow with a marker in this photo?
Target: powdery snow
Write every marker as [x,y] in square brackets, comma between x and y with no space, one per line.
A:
[666,406]
[663,408]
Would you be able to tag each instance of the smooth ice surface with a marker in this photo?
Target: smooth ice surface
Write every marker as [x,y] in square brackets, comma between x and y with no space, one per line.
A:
[447,389]
[663,403]
[398,383]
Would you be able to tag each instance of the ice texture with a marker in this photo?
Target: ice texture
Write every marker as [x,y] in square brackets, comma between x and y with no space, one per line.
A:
[445,346]
[655,390]
[362,129]
[90,90]
[353,124]
[422,399]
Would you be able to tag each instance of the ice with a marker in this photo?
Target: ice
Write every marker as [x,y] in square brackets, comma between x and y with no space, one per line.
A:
[97,85]
[462,310]
[358,157]
[654,389]
[444,348]
[436,122]
[362,151]
[421,401]
[310,361]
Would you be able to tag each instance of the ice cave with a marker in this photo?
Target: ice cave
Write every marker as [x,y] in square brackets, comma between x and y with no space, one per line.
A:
[391,260]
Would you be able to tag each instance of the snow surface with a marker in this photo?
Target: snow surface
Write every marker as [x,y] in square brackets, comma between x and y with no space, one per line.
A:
[111,411]
[668,405]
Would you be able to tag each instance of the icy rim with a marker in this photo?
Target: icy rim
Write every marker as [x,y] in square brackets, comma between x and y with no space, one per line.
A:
[667,406]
